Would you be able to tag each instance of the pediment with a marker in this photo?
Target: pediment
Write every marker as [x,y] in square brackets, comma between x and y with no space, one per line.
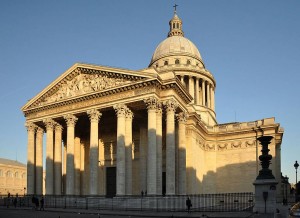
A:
[81,80]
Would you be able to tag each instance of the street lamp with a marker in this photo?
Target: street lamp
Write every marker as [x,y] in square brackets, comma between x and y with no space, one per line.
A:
[296,165]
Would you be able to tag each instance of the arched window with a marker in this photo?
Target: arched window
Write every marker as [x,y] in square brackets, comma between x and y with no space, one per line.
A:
[9,174]
[188,62]
[177,25]
[1,173]
[23,175]
[176,61]
[173,25]
[166,63]
[16,175]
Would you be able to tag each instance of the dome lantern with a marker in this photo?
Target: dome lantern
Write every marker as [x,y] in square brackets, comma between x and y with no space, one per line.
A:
[175,25]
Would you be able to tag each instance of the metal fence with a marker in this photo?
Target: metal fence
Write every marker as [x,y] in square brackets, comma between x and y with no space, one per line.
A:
[203,202]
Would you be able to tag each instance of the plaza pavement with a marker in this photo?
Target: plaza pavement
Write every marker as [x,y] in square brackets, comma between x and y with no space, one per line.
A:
[284,210]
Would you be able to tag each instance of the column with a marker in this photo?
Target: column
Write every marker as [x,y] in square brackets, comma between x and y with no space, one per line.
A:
[49,156]
[182,79]
[70,175]
[191,88]
[39,161]
[171,106]
[159,148]
[151,155]
[57,159]
[94,116]
[208,95]
[203,93]
[120,111]
[128,150]
[212,98]
[181,117]
[31,127]
[143,157]
[77,155]
[197,91]
[65,169]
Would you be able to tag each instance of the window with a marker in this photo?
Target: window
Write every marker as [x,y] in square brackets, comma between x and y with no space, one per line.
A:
[176,61]
[166,63]
[177,25]
[17,175]
[173,25]
[188,62]
[9,174]
[1,173]
[23,176]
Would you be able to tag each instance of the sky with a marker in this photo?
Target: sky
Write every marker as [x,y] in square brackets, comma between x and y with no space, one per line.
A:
[252,48]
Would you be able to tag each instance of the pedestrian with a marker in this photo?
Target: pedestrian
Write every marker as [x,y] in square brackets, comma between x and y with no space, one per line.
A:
[142,193]
[8,199]
[15,202]
[33,202]
[188,203]
[42,203]
[37,203]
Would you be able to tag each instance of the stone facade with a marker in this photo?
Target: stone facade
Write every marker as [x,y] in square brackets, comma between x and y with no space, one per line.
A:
[112,131]
[13,177]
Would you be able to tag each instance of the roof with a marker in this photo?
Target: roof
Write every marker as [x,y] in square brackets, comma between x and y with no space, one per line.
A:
[11,162]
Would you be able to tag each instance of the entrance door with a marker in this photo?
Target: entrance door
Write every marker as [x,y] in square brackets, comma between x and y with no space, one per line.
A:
[110,182]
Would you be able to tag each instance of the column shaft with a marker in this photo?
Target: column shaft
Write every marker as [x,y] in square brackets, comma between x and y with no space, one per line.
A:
[197,91]
[49,156]
[143,158]
[128,151]
[192,88]
[151,154]
[58,160]
[77,156]
[171,105]
[121,110]
[208,96]
[212,98]
[94,116]
[159,149]
[39,161]
[30,157]
[181,154]
[70,176]
[203,93]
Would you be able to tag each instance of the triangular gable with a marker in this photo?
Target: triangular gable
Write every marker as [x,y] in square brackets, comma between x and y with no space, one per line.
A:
[84,79]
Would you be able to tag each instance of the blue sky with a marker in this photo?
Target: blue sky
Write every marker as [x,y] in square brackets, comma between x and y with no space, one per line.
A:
[251,47]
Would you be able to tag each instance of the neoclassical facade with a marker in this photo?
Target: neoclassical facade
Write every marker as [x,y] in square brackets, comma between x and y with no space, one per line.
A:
[117,132]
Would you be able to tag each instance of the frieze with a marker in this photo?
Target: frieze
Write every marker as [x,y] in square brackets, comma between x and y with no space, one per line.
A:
[236,145]
[210,147]
[222,146]
[250,143]
[80,105]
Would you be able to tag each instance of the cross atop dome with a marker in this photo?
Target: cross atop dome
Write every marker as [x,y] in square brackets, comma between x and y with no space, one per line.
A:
[175,25]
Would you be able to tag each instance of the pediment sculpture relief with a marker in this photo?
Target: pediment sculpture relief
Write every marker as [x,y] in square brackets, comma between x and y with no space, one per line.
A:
[83,84]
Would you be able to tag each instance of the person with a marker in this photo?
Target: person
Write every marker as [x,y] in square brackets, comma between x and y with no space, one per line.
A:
[8,199]
[188,203]
[15,202]
[142,193]
[42,203]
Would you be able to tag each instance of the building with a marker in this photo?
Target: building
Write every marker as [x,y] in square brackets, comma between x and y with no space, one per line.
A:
[13,178]
[112,131]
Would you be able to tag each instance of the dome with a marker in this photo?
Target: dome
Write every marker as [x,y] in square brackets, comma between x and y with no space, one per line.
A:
[176,46]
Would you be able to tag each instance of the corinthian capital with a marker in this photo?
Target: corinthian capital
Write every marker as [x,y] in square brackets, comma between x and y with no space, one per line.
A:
[70,119]
[94,115]
[128,114]
[170,105]
[40,131]
[30,126]
[49,123]
[120,109]
[58,128]
[159,108]
[151,103]
[181,117]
